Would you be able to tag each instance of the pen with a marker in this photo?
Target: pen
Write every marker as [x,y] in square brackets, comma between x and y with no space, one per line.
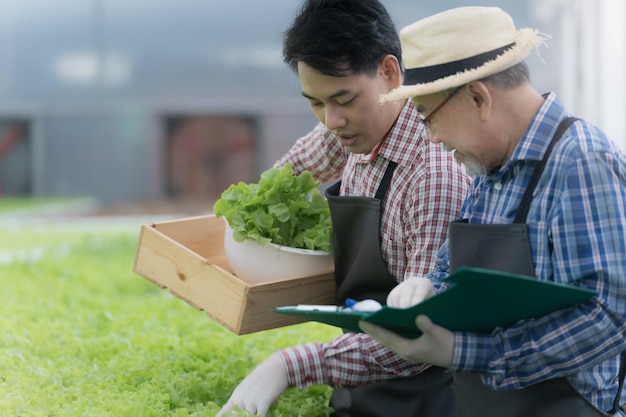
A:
[315,307]
[350,302]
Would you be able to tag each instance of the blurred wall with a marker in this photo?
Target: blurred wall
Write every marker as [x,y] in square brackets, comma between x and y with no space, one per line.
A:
[97,85]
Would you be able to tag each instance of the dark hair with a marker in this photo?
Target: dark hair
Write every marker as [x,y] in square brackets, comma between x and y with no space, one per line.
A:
[341,37]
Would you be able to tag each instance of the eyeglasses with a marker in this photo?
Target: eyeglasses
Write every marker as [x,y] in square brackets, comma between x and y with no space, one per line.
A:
[429,119]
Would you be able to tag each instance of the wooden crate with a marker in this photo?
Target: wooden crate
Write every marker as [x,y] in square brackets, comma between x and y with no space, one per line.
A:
[187,257]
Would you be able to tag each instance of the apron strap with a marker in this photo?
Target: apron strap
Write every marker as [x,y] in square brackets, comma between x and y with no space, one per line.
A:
[384,183]
[333,190]
[522,210]
[622,375]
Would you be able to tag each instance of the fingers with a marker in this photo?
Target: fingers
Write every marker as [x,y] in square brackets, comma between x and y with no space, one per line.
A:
[423,290]
[228,407]
[378,333]
[424,323]
[434,346]
[252,408]
[260,388]
[393,298]
[438,341]
[410,292]
[383,336]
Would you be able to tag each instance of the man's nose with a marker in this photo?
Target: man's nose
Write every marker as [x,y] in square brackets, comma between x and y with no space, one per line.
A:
[334,118]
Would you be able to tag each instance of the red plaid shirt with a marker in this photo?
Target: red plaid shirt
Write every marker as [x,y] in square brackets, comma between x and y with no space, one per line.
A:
[426,192]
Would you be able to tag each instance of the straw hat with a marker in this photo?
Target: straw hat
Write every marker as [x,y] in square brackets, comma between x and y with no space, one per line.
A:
[458,46]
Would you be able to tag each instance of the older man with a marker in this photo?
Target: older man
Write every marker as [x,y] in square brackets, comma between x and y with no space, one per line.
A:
[551,191]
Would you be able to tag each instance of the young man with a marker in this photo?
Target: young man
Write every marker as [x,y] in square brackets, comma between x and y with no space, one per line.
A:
[390,211]
[466,73]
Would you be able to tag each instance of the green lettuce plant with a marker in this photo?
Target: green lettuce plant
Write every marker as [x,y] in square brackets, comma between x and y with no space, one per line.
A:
[282,208]
[84,336]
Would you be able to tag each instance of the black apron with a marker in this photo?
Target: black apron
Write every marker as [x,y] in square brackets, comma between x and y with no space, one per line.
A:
[495,246]
[361,273]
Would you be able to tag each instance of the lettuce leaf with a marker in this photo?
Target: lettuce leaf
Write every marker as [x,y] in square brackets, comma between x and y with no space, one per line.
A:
[84,336]
[282,208]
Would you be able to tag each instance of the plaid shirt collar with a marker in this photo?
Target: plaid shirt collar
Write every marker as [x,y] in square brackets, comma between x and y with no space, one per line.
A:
[400,143]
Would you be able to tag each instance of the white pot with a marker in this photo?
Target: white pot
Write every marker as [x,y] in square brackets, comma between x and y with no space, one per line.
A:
[255,263]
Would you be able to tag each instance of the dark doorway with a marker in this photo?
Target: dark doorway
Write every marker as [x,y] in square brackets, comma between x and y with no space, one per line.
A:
[16,169]
[206,154]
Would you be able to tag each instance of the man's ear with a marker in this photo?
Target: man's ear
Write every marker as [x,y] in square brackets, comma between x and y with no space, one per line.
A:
[481,97]
[389,68]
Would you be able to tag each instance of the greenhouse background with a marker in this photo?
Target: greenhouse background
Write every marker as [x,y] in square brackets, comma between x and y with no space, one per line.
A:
[107,106]
[147,100]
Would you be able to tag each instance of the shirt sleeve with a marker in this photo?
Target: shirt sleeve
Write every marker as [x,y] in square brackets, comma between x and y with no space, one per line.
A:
[435,201]
[319,152]
[585,233]
[352,359]
[441,268]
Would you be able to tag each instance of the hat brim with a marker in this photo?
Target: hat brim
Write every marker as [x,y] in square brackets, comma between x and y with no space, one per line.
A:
[527,39]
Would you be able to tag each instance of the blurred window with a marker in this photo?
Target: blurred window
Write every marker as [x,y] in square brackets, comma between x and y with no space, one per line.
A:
[206,154]
[15,158]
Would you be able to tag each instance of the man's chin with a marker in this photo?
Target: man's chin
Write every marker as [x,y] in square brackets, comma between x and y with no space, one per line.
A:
[472,166]
[356,149]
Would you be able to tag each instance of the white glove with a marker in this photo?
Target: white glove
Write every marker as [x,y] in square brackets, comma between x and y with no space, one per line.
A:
[367,306]
[410,292]
[260,388]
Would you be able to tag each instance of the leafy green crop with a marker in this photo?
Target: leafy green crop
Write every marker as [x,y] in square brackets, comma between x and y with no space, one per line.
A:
[282,208]
[82,335]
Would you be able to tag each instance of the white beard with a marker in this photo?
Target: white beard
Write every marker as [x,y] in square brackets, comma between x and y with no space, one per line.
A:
[472,166]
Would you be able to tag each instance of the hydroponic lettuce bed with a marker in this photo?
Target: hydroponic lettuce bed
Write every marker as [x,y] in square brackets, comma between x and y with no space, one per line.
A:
[83,335]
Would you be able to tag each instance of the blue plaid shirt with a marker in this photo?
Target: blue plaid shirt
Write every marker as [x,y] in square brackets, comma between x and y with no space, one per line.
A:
[577,230]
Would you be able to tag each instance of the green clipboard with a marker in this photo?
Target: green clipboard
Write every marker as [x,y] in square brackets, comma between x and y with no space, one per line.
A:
[478,300]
